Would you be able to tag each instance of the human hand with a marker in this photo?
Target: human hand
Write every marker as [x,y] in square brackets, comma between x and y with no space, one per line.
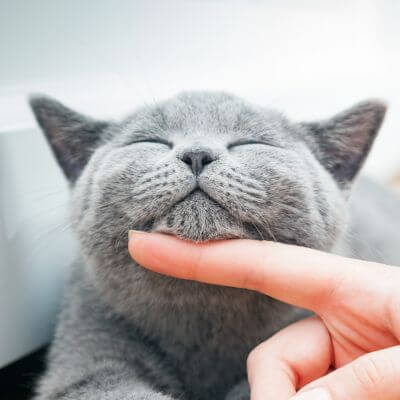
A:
[349,350]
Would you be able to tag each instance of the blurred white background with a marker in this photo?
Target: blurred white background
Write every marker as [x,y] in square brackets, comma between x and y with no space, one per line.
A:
[309,59]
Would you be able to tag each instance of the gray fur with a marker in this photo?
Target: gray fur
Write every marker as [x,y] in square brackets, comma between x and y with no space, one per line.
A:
[72,136]
[128,333]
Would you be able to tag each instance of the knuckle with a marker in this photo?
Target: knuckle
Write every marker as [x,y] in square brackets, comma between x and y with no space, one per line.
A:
[369,372]
[256,355]
[393,307]
[253,357]
[256,274]
[251,277]
[332,298]
[197,263]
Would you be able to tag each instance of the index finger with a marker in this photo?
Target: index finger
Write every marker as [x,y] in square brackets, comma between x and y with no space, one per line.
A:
[299,276]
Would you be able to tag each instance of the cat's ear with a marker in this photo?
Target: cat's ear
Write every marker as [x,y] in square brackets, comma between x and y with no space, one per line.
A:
[343,142]
[72,136]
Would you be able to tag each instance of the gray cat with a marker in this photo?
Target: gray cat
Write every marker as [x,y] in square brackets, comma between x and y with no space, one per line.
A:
[201,166]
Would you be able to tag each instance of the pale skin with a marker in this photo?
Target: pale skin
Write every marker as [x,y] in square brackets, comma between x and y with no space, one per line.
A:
[349,350]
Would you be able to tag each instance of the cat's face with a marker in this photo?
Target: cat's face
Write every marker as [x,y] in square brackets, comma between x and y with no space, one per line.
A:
[209,166]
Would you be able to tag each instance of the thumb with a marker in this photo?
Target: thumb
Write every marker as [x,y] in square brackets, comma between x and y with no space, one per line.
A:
[374,376]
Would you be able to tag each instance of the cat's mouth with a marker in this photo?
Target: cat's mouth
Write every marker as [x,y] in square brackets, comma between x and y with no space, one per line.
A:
[198,193]
[199,217]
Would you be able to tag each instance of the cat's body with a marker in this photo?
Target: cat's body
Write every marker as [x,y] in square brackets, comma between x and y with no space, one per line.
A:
[201,166]
[373,228]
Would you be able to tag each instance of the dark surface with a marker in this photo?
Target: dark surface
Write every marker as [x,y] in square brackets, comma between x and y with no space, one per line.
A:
[17,379]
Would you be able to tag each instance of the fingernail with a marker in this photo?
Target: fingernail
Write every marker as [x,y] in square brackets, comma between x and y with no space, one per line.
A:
[132,232]
[313,394]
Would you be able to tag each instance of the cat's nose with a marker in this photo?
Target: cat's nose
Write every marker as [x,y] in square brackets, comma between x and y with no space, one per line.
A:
[197,160]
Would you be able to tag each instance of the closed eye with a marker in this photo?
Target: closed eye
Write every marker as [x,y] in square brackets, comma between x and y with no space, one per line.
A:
[158,141]
[245,143]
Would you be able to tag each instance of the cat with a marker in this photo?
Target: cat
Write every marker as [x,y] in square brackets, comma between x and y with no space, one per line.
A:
[201,166]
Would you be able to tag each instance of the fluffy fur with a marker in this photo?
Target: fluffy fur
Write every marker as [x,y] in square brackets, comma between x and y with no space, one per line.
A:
[201,166]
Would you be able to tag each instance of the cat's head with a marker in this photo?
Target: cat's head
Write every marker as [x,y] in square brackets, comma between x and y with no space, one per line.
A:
[207,165]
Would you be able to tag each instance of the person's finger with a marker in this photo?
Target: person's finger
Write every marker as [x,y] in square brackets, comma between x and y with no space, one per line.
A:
[289,360]
[304,277]
[374,376]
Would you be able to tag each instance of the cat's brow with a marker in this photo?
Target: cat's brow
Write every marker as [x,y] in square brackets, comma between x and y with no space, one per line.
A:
[137,135]
[145,133]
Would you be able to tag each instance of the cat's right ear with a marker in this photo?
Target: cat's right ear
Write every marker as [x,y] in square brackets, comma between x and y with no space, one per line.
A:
[72,136]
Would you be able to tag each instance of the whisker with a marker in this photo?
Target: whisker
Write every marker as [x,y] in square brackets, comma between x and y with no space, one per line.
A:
[39,241]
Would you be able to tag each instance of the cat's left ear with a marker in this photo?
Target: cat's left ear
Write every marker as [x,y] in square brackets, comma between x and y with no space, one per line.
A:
[343,142]
[73,137]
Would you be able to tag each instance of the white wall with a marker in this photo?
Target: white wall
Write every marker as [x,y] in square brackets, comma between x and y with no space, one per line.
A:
[309,58]
[36,246]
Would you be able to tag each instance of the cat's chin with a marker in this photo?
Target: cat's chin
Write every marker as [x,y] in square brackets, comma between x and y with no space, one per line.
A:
[198,218]
[212,236]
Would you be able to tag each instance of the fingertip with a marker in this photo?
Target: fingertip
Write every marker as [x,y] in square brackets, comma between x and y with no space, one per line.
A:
[158,252]
[140,243]
[135,239]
